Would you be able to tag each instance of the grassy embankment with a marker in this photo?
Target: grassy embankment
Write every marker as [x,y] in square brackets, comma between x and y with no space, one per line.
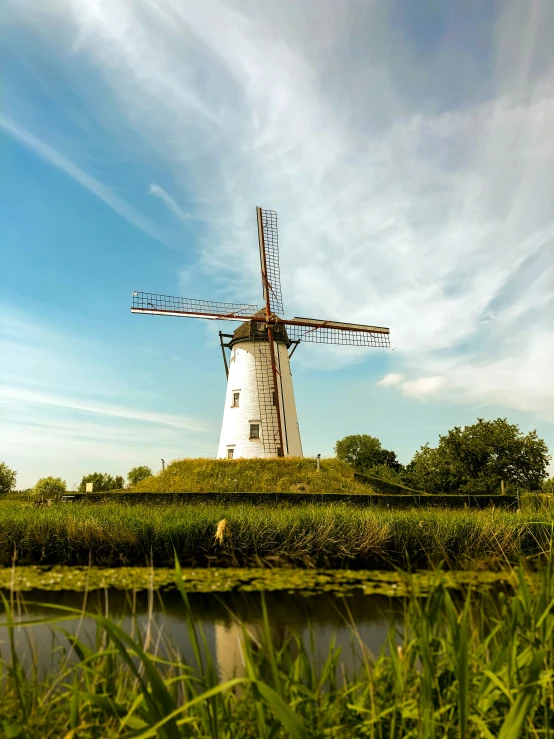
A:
[333,537]
[456,670]
[287,474]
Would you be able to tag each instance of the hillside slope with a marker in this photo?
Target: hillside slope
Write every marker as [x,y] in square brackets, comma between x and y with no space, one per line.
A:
[290,474]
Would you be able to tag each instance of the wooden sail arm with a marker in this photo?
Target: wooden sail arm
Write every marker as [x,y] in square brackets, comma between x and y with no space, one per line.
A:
[169,305]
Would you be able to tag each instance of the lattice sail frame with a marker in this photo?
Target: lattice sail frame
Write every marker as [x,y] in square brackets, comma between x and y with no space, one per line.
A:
[344,335]
[311,330]
[269,260]
[191,307]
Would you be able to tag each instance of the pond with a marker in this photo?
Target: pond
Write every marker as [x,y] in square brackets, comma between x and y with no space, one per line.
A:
[163,615]
[316,606]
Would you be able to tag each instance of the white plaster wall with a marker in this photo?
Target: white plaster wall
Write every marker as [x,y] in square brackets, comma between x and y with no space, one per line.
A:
[293,445]
[235,428]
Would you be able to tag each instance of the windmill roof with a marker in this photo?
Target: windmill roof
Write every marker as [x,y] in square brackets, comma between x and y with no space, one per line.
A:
[252,331]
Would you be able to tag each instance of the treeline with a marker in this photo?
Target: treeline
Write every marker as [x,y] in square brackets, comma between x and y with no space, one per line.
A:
[486,457]
[48,487]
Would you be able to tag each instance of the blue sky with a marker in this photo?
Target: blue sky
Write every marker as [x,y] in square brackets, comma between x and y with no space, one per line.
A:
[407,148]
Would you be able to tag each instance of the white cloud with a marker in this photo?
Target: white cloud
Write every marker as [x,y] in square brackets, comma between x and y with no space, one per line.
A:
[38,398]
[53,157]
[159,192]
[423,387]
[393,378]
[425,212]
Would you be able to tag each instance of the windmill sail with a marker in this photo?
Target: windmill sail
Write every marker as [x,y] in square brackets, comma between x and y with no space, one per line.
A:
[269,260]
[190,307]
[334,332]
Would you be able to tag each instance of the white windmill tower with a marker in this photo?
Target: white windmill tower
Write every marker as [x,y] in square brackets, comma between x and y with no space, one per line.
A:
[259,417]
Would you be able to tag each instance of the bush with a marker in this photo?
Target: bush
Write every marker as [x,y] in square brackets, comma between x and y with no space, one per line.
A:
[49,487]
[7,479]
[137,474]
[477,459]
[102,482]
[363,452]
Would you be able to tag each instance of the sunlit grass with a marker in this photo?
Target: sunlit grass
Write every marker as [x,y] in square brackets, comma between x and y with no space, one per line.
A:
[287,474]
[324,536]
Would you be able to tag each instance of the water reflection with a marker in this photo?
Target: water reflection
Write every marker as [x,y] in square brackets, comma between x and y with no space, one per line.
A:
[160,618]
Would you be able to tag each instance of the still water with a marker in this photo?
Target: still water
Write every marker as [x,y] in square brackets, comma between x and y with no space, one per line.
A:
[160,617]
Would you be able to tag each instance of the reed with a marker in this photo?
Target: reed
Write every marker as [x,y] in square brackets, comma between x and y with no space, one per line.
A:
[458,668]
[324,536]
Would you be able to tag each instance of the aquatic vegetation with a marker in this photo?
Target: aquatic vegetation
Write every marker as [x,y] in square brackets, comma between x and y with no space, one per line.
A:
[221,580]
[312,536]
[456,669]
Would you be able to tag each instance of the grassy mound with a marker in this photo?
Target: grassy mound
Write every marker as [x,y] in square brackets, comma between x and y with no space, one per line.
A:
[289,474]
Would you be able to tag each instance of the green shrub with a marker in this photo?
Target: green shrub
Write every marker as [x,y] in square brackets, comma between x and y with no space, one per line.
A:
[49,487]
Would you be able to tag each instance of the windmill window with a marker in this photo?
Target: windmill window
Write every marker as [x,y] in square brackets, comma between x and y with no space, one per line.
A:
[254,430]
[230,452]
[235,403]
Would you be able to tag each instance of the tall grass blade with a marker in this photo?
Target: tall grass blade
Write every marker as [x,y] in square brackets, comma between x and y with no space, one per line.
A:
[514,721]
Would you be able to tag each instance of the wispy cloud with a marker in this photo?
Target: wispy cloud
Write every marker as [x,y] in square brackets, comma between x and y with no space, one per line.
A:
[72,448]
[159,192]
[393,378]
[74,412]
[414,189]
[165,419]
[53,157]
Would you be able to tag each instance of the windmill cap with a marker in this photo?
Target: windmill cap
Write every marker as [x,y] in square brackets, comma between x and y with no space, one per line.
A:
[257,331]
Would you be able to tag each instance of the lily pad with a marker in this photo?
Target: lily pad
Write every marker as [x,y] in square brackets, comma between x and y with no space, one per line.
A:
[209,580]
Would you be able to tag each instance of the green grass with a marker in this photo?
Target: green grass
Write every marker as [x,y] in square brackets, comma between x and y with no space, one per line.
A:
[288,474]
[323,536]
[459,668]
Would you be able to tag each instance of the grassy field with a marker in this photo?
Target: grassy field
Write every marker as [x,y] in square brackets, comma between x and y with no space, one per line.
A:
[333,536]
[457,669]
[288,474]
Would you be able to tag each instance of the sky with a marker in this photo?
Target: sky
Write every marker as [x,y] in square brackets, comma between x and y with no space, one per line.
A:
[408,149]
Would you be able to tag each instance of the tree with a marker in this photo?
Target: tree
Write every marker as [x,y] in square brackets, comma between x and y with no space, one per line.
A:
[139,473]
[102,482]
[364,452]
[548,485]
[49,487]
[476,459]
[430,470]
[7,479]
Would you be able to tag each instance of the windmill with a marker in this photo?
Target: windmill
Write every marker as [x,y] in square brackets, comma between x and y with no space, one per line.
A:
[259,418]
